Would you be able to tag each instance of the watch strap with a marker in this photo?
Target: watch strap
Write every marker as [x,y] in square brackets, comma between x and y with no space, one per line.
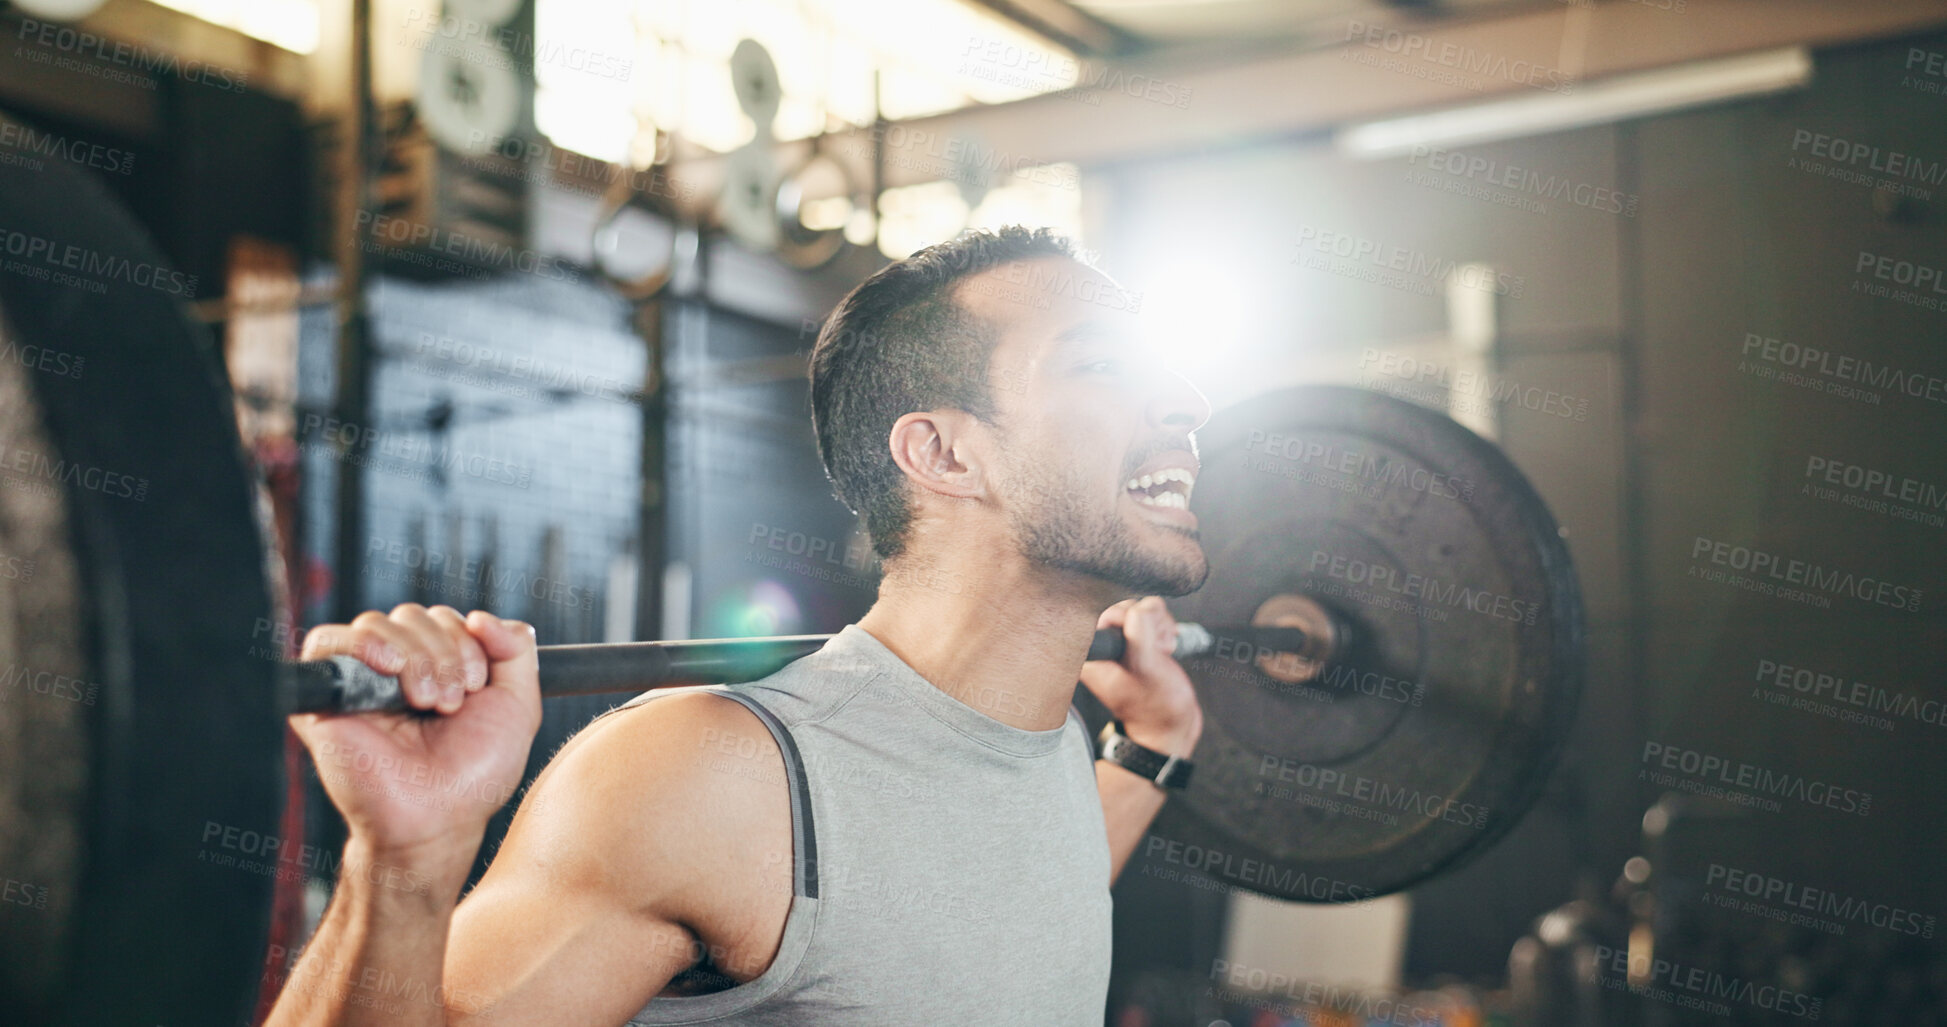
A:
[1169,772]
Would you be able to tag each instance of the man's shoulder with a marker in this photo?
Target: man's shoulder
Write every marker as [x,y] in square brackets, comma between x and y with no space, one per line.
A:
[677,812]
[671,740]
[809,688]
[687,733]
[650,805]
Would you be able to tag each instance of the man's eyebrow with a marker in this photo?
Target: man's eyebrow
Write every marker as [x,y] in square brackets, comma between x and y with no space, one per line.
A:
[1085,332]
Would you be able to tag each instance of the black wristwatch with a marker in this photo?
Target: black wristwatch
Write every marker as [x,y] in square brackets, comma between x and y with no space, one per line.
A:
[1171,772]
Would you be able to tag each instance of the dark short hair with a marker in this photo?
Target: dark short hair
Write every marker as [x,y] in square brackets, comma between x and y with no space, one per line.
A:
[897,343]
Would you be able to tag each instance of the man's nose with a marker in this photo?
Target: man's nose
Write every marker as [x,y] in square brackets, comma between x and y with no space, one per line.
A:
[1177,405]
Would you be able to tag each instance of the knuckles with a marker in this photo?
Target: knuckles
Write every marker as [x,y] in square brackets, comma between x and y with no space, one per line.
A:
[461,661]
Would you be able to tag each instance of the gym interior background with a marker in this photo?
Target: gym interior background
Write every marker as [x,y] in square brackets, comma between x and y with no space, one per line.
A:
[516,299]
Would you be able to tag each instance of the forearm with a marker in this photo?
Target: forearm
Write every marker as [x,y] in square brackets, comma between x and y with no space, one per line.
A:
[378,956]
[1129,801]
[1154,701]
[1129,804]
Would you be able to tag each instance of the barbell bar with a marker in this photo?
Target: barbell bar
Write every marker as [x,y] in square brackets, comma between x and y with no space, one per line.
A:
[345,684]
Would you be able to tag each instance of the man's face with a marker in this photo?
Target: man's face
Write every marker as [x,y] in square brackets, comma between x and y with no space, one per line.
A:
[1094,461]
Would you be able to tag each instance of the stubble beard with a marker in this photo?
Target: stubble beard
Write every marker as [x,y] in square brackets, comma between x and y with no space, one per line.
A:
[1055,528]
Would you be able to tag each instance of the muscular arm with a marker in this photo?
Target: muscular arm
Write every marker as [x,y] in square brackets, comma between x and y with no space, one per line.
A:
[1130,802]
[1149,692]
[376,956]
[641,847]
[631,847]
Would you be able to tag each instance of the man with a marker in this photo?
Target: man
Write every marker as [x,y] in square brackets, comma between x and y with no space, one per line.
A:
[903,828]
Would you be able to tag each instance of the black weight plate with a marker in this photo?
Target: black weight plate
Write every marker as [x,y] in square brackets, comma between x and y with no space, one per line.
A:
[1433,735]
[173,720]
[45,746]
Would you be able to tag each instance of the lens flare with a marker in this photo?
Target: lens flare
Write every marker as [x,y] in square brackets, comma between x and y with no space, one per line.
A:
[764,608]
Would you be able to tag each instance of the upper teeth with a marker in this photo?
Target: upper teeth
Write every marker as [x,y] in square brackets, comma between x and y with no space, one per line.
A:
[1178,500]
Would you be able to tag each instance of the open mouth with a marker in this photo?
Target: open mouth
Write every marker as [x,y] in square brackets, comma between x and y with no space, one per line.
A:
[1168,488]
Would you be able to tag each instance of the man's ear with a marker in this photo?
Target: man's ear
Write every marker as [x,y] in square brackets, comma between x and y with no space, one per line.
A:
[934,449]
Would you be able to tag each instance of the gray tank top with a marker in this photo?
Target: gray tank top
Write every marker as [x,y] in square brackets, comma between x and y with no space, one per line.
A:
[949,868]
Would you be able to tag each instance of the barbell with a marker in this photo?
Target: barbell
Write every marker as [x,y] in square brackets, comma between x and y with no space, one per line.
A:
[1393,659]
[344,684]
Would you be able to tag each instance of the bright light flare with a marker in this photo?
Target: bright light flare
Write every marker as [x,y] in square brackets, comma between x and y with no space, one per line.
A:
[767,609]
[291,24]
[1196,311]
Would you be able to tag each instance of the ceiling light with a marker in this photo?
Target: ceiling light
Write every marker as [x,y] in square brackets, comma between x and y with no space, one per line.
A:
[1593,103]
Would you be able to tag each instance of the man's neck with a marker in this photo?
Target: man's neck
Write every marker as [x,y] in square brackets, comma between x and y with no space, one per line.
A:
[1000,635]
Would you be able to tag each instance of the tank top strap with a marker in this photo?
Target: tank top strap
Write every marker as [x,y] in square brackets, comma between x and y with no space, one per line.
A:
[804,839]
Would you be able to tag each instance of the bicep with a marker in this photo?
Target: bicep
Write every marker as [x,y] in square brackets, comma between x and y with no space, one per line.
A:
[611,870]
[527,948]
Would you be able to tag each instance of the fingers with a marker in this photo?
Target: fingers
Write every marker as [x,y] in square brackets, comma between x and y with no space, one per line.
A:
[381,645]
[1114,616]
[437,659]
[501,640]
[1150,629]
[1145,622]
[432,652]
[369,637]
[473,659]
[377,642]
[510,645]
